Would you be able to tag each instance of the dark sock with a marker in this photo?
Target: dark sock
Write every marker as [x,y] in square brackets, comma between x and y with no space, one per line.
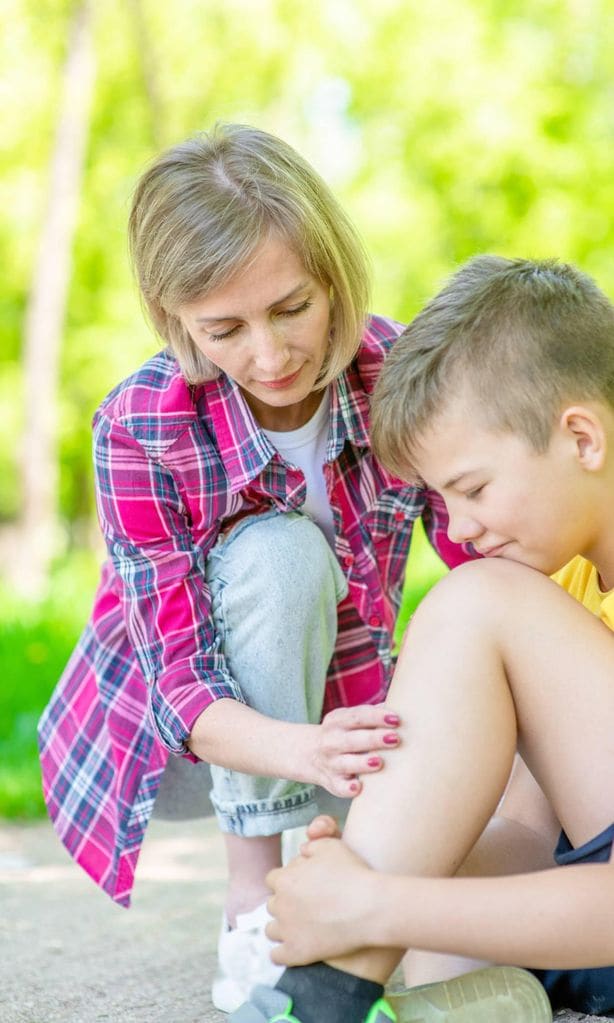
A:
[323,994]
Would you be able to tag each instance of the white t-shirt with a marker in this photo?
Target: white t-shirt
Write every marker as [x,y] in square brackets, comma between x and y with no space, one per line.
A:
[305,448]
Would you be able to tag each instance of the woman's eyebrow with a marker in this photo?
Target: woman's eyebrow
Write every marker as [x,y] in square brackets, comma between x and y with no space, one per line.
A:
[278,301]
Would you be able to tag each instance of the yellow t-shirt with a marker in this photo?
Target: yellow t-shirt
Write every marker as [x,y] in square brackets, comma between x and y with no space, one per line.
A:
[579,577]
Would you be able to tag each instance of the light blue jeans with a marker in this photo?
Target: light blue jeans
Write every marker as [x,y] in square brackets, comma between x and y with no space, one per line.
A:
[275,585]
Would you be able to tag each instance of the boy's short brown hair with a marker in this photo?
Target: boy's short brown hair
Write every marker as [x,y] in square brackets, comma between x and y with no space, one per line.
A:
[524,337]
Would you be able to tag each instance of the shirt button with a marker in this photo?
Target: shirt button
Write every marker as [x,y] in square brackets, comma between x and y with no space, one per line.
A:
[399,516]
[348,560]
[375,621]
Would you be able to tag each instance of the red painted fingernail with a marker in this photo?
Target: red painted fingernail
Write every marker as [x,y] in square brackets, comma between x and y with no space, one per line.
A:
[354,786]
[374,761]
[391,739]
[392,719]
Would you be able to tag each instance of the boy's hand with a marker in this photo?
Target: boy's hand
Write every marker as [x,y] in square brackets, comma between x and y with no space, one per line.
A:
[322,826]
[349,743]
[323,903]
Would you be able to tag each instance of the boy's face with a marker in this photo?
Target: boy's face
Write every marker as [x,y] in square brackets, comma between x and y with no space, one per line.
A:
[502,496]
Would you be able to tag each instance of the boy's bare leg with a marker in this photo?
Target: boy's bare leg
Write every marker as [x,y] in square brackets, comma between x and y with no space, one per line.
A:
[497,655]
[519,839]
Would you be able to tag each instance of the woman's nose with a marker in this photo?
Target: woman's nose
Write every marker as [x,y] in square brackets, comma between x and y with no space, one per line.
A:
[270,350]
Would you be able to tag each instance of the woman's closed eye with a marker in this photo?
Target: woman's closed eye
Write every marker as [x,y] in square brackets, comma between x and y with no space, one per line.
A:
[294,311]
[297,309]
[227,333]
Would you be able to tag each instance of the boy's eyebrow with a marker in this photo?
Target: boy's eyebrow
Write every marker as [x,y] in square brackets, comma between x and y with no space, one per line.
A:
[455,480]
[278,301]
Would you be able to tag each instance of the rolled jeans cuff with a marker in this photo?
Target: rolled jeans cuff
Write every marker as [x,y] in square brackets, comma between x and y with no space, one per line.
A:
[270,816]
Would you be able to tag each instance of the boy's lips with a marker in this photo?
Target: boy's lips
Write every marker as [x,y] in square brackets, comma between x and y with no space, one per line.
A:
[492,552]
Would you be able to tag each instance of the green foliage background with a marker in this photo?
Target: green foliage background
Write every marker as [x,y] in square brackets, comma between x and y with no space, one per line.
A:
[446,129]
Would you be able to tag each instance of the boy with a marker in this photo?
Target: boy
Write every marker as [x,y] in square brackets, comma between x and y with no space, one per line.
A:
[500,395]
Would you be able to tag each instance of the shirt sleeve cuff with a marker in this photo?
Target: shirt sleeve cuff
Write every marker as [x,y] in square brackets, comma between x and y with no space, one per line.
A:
[174,713]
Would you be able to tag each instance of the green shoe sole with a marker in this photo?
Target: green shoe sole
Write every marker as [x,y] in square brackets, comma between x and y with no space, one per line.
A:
[498,994]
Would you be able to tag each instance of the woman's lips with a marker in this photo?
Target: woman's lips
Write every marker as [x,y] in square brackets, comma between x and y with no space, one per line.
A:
[282,382]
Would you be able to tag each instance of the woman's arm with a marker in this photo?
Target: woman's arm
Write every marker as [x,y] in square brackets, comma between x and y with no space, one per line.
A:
[167,610]
[166,602]
[332,754]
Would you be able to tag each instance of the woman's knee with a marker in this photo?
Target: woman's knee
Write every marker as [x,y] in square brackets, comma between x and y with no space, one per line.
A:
[287,558]
[274,594]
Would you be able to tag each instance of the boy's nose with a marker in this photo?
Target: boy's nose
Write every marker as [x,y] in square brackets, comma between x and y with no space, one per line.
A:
[462,529]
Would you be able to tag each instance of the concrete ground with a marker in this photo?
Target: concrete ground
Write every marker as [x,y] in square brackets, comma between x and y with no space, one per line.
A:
[68,955]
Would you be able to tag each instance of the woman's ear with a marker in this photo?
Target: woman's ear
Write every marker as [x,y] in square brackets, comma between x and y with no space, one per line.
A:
[583,425]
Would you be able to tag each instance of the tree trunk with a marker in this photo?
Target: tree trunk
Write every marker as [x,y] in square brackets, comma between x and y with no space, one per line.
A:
[148,64]
[39,534]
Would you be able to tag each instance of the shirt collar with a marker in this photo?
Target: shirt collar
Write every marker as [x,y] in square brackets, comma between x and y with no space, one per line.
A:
[244,448]
[349,413]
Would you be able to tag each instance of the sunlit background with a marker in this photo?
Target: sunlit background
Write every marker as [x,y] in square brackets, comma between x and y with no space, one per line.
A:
[446,129]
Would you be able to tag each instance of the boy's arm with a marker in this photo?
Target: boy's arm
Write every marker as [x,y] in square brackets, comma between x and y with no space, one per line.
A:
[328,903]
[530,920]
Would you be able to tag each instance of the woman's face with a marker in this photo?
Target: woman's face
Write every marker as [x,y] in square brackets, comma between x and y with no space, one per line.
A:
[267,328]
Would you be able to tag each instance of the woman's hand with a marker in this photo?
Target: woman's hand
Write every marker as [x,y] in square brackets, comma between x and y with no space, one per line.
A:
[324,902]
[349,743]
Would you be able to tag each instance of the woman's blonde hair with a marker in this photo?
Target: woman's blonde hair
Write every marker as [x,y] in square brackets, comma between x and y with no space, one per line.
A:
[201,210]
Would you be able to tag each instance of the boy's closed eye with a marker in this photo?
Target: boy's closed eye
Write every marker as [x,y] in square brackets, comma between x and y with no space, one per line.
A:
[474,492]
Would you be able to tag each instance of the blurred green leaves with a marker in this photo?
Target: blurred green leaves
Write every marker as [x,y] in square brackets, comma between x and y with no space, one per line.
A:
[35,644]
[446,129]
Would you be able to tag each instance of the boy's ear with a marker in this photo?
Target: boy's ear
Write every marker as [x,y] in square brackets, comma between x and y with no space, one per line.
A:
[583,425]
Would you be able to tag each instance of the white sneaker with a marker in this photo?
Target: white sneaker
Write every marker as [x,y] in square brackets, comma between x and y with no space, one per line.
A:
[291,842]
[243,956]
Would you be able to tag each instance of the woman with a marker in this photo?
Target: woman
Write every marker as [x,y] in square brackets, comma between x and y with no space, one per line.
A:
[256,548]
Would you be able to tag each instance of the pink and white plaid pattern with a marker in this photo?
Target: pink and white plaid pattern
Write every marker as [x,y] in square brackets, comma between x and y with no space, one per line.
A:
[173,464]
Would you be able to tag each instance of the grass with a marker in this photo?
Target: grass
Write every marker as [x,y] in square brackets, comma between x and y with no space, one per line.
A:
[36,641]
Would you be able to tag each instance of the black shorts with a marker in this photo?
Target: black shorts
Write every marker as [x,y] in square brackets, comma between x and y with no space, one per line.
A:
[590,991]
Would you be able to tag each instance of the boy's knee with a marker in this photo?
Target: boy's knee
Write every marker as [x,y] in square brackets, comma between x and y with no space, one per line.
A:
[477,588]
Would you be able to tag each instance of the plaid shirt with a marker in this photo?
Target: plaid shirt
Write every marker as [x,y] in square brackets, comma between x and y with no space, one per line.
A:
[173,465]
